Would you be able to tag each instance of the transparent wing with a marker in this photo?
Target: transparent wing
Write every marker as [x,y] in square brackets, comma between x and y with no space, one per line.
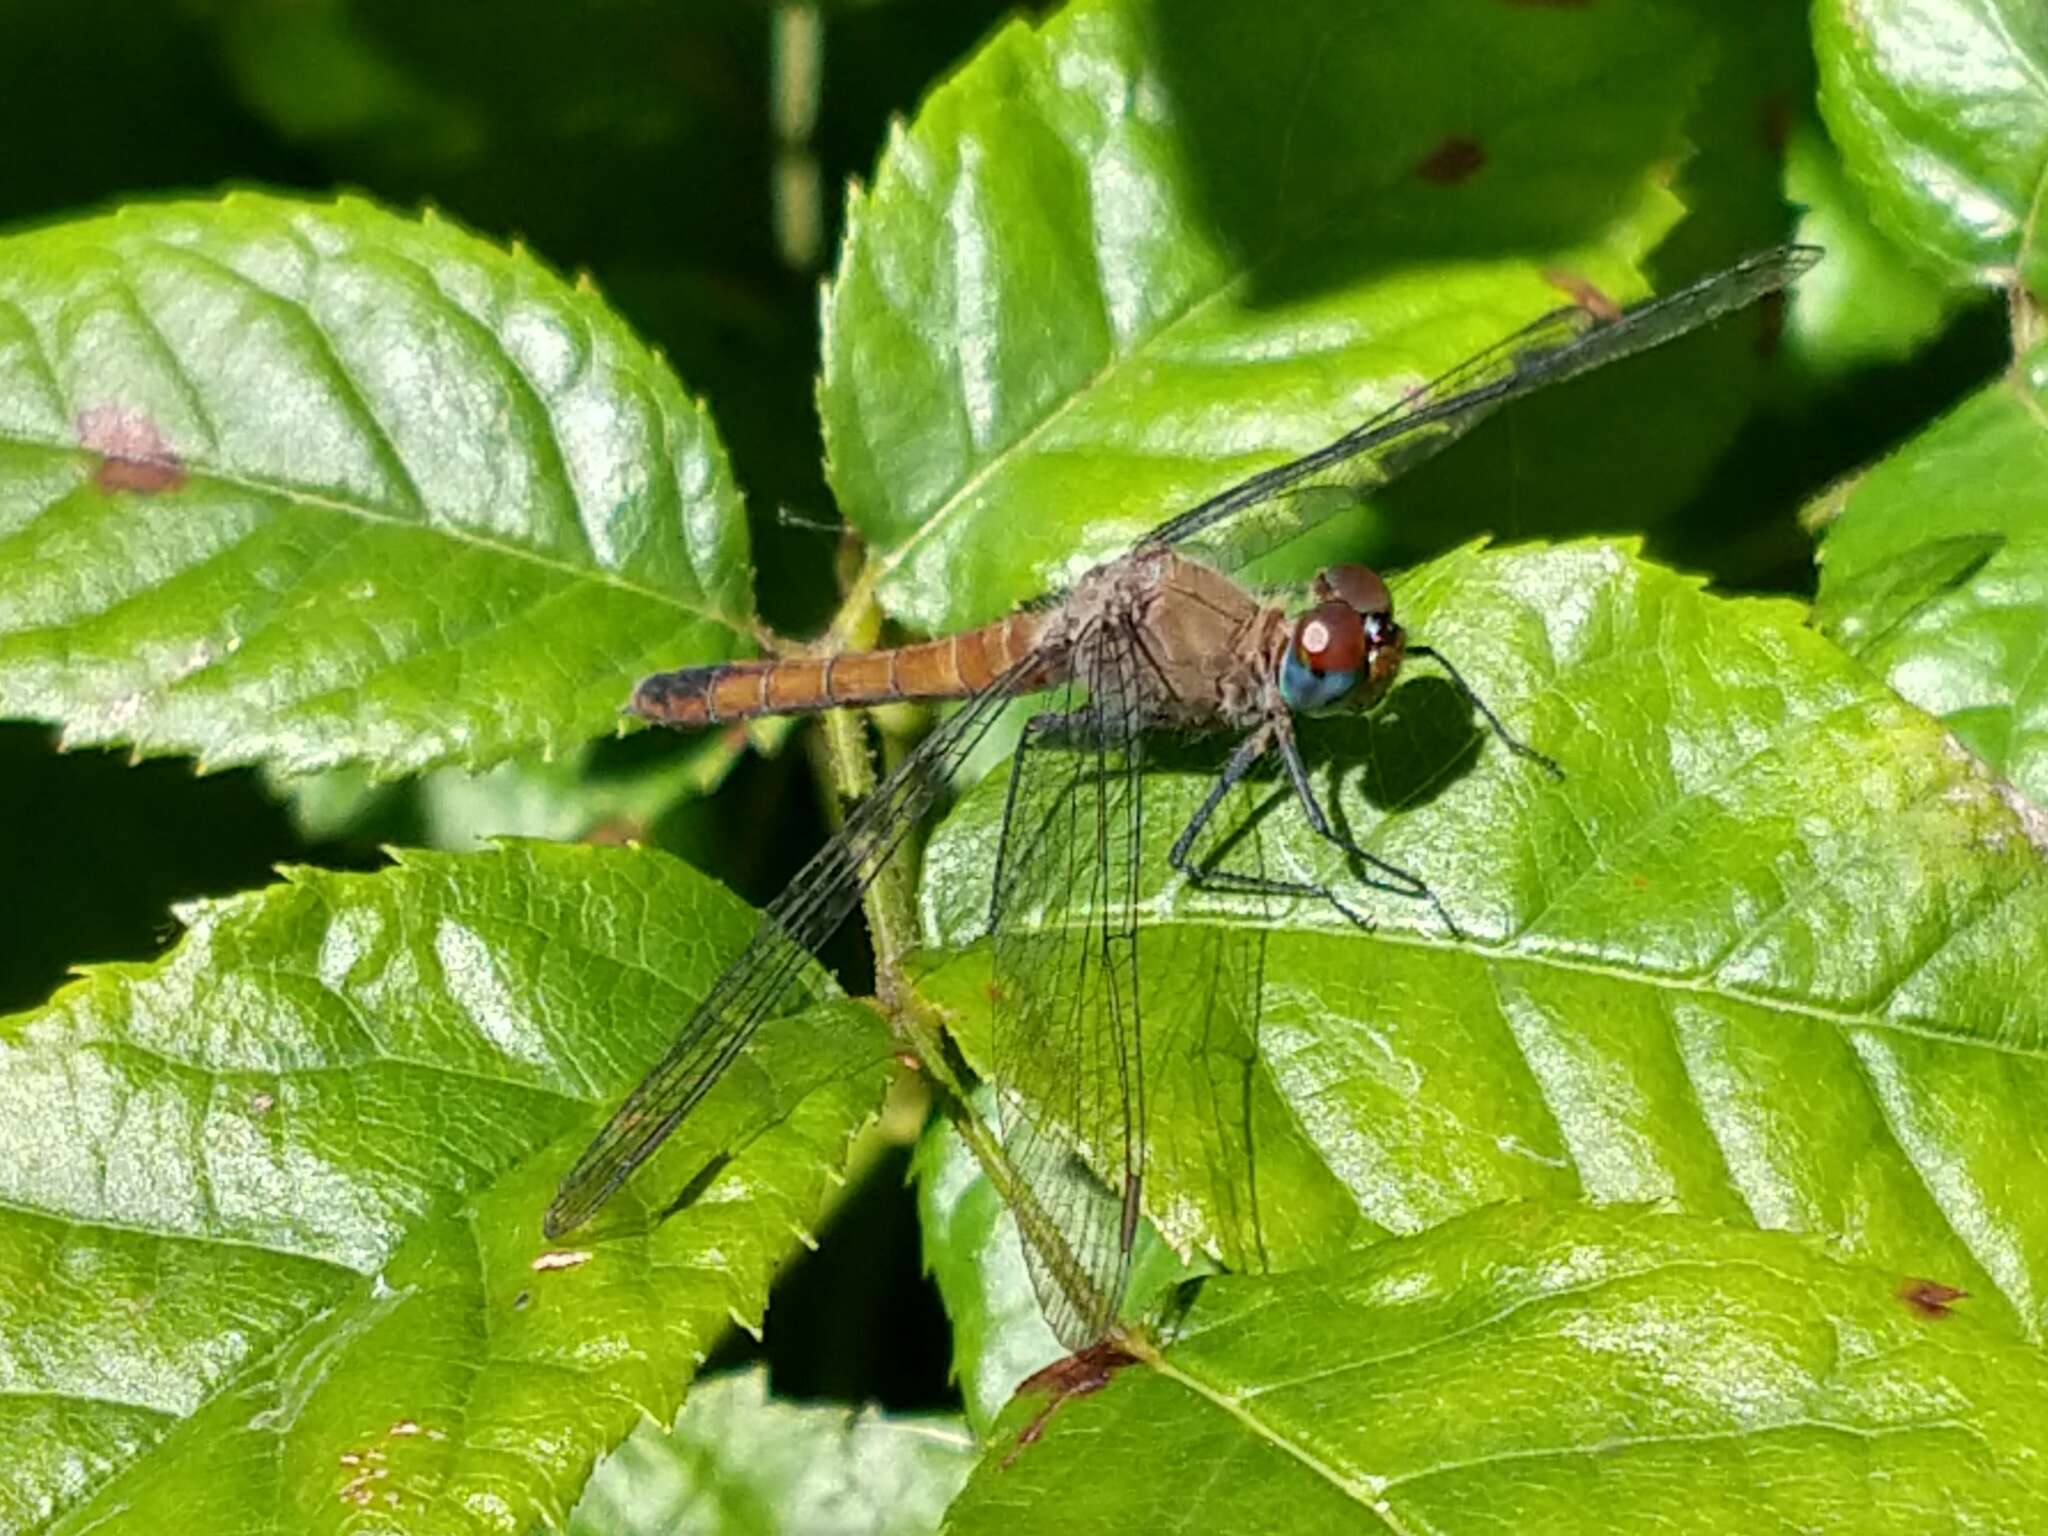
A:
[1255,516]
[1067,1052]
[764,980]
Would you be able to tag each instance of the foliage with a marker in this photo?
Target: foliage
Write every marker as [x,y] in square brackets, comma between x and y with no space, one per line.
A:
[1695,1171]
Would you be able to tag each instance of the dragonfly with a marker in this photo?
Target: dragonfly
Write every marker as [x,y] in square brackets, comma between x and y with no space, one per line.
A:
[1160,639]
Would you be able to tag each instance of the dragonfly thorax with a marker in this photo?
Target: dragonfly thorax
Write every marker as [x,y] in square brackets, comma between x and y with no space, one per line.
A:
[1344,651]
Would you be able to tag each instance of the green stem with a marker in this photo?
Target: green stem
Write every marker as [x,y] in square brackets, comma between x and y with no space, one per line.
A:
[891,910]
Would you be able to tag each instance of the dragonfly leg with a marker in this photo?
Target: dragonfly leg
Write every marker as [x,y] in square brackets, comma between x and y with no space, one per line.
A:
[1202,877]
[1519,748]
[1389,877]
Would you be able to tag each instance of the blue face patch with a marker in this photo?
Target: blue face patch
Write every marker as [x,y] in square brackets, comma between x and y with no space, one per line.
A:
[1306,691]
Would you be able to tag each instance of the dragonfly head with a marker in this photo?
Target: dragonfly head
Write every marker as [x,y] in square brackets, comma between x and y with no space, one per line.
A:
[1343,651]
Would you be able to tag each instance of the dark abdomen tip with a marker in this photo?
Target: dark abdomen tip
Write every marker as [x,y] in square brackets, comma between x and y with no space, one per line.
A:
[677,698]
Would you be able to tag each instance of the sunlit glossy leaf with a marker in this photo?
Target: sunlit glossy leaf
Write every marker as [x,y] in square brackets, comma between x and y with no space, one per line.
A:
[1755,955]
[272,1260]
[1940,108]
[1544,1369]
[1139,251]
[1958,519]
[314,485]
[740,1463]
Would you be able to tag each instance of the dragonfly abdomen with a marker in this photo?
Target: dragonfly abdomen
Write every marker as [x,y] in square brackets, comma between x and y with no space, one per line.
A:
[951,668]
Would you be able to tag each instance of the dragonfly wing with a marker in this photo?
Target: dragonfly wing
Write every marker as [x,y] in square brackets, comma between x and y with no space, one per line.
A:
[768,977]
[1067,1052]
[1270,508]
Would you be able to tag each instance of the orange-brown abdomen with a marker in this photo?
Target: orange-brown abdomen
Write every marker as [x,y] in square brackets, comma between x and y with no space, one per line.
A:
[951,668]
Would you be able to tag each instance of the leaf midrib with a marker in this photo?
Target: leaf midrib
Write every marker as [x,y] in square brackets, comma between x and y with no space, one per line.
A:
[1701,986]
[199,469]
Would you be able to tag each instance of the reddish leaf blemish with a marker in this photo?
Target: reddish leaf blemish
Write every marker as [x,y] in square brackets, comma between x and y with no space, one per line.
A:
[1075,1376]
[1451,162]
[1930,1298]
[1588,296]
[133,453]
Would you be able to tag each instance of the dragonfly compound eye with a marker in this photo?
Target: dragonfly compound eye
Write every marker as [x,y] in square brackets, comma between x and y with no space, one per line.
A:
[1324,657]
[1358,586]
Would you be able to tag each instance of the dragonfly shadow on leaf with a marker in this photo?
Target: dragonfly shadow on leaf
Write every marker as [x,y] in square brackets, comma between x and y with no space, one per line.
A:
[622,1219]
[1414,747]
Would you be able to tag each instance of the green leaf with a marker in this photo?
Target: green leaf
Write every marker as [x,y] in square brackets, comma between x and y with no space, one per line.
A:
[971,1250]
[1546,1369]
[742,1463]
[1120,262]
[1935,569]
[273,1245]
[315,485]
[1940,108]
[1629,446]
[1866,303]
[1761,953]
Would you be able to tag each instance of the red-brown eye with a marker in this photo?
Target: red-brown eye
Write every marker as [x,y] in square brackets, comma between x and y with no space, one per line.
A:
[1357,585]
[1330,637]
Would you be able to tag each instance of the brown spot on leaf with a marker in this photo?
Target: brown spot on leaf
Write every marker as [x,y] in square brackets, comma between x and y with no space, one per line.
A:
[133,453]
[1930,1298]
[1551,5]
[262,1103]
[522,1301]
[1452,161]
[1587,295]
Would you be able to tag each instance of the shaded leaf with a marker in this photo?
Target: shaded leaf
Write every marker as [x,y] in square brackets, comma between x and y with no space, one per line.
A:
[1756,955]
[316,485]
[1940,109]
[524,115]
[1537,1369]
[274,1234]
[1138,252]
[1935,570]
[738,1461]
[1628,447]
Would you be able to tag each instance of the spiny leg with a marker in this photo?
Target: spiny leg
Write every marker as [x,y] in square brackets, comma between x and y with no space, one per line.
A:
[1391,877]
[1245,758]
